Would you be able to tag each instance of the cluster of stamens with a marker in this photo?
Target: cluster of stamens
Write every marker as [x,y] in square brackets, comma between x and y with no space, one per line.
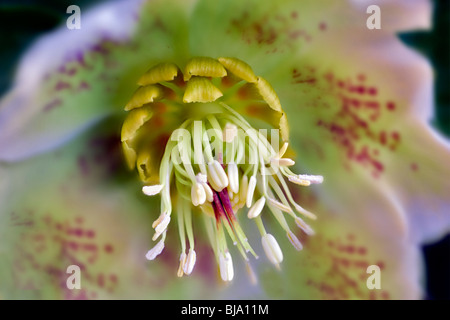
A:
[214,162]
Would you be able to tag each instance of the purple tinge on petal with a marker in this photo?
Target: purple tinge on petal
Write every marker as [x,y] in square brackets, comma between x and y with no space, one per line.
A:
[32,118]
[113,20]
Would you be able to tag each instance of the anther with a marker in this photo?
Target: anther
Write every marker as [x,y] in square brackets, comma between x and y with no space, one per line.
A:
[256,209]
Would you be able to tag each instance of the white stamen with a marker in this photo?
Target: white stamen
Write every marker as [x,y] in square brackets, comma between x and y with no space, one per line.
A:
[282,162]
[201,178]
[182,263]
[280,206]
[294,241]
[305,212]
[250,191]
[297,180]
[243,188]
[217,176]
[190,262]
[272,249]
[233,176]
[198,194]
[158,220]
[256,209]
[155,251]
[152,190]
[208,192]
[304,226]
[161,226]
[311,178]
[226,266]
[229,132]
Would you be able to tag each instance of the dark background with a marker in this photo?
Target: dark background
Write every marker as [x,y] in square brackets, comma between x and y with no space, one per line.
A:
[22,21]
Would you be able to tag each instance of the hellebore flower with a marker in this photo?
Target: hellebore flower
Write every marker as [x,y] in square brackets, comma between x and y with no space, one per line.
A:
[353,103]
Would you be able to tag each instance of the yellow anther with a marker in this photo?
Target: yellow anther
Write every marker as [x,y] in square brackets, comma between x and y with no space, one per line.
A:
[165,71]
[201,90]
[239,68]
[204,67]
[268,94]
[135,119]
[144,95]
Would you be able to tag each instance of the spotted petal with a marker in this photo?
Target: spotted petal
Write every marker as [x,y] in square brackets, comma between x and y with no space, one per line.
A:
[66,82]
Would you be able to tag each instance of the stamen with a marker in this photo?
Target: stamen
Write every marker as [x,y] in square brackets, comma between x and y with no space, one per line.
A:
[198,194]
[250,191]
[272,249]
[304,226]
[279,205]
[233,177]
[226,266]
[208,192]
[207,154]
[256,209]
[190,262]
[297,180]
[156,250]
[243,189]
[283,162]
[180,271]
[294,241]
[217,176]
[229,132]
[161,226]
[311,178]
[152,190]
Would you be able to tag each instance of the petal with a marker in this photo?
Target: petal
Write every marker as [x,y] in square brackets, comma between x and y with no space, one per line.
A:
[361,106]
[61,86]
[419,177]
[85,214]
[349,238]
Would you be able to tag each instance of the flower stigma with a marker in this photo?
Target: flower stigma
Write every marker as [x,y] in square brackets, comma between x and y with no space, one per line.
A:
[186,135]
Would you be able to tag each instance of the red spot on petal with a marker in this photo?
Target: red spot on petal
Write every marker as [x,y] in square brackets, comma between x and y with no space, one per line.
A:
[390,106]
[109,248]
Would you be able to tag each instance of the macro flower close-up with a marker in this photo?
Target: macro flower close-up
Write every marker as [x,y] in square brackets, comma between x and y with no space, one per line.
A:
[194,149]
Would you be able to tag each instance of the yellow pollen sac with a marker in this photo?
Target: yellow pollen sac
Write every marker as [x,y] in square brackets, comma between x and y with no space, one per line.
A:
[239,68]
[144,95]
[204,67]
[201,90]
[161,72]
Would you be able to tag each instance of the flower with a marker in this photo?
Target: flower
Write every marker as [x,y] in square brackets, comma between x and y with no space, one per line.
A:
[215,157]
[67,199]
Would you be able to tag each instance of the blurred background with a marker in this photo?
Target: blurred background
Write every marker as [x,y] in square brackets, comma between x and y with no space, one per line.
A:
[23,21]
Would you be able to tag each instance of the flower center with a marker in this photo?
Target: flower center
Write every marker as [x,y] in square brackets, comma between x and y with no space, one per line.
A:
[213,159]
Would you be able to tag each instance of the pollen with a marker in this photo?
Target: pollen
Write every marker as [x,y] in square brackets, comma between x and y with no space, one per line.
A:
[194,146]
